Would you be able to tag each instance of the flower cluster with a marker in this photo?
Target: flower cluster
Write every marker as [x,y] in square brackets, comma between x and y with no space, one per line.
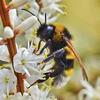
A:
[20,63]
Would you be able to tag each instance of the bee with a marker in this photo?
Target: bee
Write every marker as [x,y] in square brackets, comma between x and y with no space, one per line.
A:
[58,39]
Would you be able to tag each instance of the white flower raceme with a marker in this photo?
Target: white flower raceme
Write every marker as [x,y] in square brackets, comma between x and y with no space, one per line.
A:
[90,92]
[7,81]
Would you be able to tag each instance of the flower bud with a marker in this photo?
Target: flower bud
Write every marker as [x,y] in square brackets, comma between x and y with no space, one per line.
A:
[17,3]
[14,19]
[8,33]
[25,25]
[4,54]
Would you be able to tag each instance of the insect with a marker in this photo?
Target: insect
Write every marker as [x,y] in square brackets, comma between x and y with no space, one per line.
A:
[58,40]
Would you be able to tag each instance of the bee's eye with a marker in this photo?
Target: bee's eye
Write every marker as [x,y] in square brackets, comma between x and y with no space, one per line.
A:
[49,30]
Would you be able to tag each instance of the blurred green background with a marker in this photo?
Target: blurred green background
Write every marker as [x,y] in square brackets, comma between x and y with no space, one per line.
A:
[83,21]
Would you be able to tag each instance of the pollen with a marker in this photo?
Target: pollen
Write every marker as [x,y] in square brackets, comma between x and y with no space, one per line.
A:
[6,80]
[23,62]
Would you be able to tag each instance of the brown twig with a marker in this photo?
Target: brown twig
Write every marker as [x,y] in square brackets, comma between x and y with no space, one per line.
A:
[11,43]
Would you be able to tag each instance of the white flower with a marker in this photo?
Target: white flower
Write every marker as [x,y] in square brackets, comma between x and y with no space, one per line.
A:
[38,94]
[90,92]
[25,62]
[7,81]
[4,54]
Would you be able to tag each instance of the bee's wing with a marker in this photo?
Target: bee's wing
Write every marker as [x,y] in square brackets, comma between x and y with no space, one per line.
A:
[77,57]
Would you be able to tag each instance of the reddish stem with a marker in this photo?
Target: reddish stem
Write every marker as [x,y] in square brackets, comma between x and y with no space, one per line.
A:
[11,43]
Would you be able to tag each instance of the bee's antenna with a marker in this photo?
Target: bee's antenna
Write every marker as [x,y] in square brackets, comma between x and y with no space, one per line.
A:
[45,18]
[33,15]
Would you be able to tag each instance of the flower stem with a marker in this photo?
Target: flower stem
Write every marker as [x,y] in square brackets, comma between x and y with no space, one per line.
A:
[11,43]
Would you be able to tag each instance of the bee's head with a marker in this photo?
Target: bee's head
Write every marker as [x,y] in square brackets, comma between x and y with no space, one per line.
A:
[45,32]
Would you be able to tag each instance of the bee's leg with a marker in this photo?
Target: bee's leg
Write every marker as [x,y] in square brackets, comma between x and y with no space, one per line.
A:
[48,43]
[59,70]
[58,56]
[38,47]
[39,44]
[39,81]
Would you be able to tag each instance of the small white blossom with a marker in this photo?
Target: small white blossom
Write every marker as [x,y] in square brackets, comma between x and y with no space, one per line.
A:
[38,94]
[25,62]
[7,81]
